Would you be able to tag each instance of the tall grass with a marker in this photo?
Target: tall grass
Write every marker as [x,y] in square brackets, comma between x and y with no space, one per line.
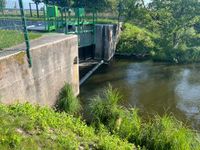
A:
[167,133]
[161,133]
[105,109]
[67,101]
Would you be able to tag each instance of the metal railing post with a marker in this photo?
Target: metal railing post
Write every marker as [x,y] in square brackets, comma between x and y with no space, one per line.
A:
[31,14]
[26,37]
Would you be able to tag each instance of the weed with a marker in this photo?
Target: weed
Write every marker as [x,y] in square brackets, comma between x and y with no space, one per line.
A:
[24,126]
[105,108]
[67,101]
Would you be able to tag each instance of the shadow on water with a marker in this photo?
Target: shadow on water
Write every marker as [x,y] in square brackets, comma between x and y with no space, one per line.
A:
[154,88]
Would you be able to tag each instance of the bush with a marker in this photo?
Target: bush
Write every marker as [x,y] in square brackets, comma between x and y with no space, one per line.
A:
[136,40]
[67,101]
[178,56]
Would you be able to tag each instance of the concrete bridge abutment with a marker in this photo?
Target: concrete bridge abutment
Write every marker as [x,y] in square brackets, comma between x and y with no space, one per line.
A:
[55,62]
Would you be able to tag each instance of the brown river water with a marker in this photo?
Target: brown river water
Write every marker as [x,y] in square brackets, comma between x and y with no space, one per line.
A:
[154,88]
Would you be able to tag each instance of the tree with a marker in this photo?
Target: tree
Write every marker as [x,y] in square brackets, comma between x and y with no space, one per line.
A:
[175,19]
[2,5]
[37,3]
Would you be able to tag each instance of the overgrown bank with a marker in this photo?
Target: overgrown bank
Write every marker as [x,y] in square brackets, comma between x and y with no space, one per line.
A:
[24,126]
[141,42]
[175,22]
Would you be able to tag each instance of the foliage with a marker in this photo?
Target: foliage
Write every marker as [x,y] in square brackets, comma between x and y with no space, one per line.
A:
[176,22]
[67,101]
[166,133]
[136,40]
[105,109]
[24,126]
[161,133]
[9,38]
[130,126]
[2,4]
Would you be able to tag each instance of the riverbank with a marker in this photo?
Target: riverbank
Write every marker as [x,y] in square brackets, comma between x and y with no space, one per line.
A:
[25,126]
[142,43]
[111,127]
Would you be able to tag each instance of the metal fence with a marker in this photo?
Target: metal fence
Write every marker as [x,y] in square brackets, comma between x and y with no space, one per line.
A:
[11,31]
[19,16]
[14,20]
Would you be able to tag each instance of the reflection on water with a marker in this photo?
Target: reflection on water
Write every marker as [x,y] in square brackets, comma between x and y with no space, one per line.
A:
[188,94]
[155,88]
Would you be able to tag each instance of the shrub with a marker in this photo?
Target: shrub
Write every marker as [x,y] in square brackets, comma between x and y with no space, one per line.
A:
[136,40]
[178,56]
[67,101]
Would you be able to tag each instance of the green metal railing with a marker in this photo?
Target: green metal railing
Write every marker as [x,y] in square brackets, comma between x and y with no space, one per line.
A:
[26,37]
[13,31]
[15,23]
[73,20]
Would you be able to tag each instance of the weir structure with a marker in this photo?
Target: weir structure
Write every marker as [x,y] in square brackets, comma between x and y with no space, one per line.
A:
[55,56]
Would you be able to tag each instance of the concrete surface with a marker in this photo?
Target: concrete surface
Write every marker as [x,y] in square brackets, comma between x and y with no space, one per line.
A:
[55,61]
[106,40]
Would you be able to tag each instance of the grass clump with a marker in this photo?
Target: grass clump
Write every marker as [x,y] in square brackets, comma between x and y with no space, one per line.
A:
[105,109]
[9,38]
[25,126]
[161,133]
[167,133]
[67,101]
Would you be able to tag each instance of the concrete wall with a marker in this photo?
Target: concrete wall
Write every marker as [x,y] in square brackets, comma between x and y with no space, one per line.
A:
[55,61]
[106,41]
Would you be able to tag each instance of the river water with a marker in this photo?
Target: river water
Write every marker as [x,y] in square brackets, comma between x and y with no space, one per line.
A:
[154,88]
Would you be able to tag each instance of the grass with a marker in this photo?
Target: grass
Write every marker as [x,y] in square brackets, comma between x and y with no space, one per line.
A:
[113,127]
[67,101]
[9,38]
[167,133]
[24,126]
[105,109]
[161,133]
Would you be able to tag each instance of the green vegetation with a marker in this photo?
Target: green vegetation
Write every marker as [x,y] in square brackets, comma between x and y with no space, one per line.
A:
[9,38]
[24,126]
[161,133]
[106,109]
[2,5]
[67,101]
[176,24]
[136,40]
